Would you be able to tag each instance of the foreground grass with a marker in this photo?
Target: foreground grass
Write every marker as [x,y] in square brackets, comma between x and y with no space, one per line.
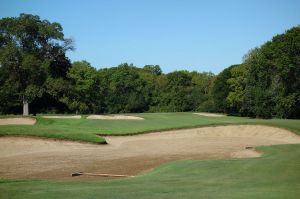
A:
[275,175]
[89,130]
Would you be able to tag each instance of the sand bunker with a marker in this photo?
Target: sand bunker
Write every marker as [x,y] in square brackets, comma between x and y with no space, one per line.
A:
[17,121]
[132,155]
[62,117]
[210,114]
[114,117]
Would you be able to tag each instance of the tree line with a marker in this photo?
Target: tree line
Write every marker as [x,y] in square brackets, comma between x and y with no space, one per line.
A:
[35,71]
[266,84]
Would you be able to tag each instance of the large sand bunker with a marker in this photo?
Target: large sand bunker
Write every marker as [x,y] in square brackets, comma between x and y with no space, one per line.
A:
[114,117]
[62,117]
[132,155]
[209,114]
[17,121]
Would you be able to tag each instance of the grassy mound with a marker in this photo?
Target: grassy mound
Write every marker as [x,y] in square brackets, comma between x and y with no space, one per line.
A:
[89,130]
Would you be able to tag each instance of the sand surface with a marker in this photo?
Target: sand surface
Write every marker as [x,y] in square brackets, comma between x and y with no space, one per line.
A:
[113,117]
[17,121]
[62,117]
[210,114]
[32,158]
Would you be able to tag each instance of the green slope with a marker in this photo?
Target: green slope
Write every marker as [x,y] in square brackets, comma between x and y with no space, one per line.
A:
[89,130]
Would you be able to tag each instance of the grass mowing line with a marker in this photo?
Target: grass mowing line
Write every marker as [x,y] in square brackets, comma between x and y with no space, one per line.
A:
[91,130]
[16,116]
[56,139]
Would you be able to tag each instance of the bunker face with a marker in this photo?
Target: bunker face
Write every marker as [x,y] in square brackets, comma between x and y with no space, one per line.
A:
[17,121]
[113,117]
[210,114]
[25,158]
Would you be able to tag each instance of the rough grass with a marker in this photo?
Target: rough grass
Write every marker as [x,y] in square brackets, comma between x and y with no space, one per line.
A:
[89,130]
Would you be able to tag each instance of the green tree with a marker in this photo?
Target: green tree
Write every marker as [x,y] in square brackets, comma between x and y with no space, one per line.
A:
[125,91]
[237,83]
[221,89]
[202,86]
[273,78]
[153,69]
[31,50]
[176,94]
[82,95]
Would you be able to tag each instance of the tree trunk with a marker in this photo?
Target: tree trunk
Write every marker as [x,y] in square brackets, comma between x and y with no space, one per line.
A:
[25,107]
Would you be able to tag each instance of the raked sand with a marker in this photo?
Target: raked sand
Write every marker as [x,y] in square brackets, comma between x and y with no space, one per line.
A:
[17,121]
[209,114]
[33,158]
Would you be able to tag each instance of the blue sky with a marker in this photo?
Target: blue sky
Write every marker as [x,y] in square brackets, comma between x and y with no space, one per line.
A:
[176,34]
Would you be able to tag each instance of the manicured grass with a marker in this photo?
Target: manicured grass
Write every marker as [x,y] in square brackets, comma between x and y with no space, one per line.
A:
[89,130]
[67,129]
[274,175]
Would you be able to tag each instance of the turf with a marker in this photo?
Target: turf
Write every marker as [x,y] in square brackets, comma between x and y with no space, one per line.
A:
[274,175]
[89,130]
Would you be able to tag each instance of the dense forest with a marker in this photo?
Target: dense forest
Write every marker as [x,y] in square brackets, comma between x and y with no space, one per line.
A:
[35,70]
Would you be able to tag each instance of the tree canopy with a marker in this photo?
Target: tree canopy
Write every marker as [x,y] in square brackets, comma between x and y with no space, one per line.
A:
[31,51]
[267,84]
[34,69]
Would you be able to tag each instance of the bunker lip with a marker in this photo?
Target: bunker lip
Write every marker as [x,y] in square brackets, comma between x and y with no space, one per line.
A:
[27,158]
[17,121]
[209,114]
[63,140]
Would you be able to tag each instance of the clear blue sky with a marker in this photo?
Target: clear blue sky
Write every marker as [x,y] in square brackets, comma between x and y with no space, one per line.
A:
[176,34]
